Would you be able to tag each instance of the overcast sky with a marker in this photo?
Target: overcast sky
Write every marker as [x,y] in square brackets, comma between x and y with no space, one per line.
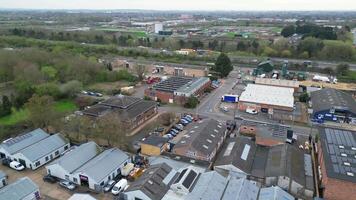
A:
[183,4]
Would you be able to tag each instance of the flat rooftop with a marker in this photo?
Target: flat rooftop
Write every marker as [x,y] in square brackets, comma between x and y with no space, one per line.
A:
[194,84]
[270,95]
[277,82]
[172,84]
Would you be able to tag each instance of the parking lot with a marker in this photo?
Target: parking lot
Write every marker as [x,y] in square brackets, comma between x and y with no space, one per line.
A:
[49,191]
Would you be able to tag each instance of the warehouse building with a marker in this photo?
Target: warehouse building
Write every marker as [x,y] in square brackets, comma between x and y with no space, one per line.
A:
[337,163]
[132,111]
[88,165]
[333,105]
[22,189]
[177,89]
[34,148]
[278,83]
[266,98]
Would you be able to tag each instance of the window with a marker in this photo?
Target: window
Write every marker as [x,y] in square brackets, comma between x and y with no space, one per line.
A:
[75,180]
[56,153]
[37,163]
[65,148]
[137,198]
[102,183]
[46,158]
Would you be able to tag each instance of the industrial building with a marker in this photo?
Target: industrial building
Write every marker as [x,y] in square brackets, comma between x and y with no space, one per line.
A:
[22,189]
[278,83]
[266,98]
[154,145]
[89,165]
[177,89]
[132,111]
[337,163]
[34,148]
[333,105]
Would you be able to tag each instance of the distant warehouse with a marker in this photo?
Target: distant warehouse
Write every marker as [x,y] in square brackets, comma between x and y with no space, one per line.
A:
[178,89]
[267,98]
[278,83]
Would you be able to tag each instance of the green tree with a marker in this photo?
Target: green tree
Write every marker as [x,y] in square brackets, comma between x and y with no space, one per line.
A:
[71,88]
[223,65]
[49,72]
[342,69]
[41,110]
[288,31]
[192,102]
[304,97]
[311,45]
[50,89]
[6,106]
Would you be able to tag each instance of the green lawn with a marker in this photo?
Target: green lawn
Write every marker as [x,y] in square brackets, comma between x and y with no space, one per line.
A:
[21,115]
[65,106]
[16,117]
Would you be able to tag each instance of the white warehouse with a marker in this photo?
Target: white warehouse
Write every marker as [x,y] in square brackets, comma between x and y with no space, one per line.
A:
[34,149]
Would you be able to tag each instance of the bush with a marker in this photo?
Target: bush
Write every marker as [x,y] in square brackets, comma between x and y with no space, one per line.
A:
[304,97]
[192,102]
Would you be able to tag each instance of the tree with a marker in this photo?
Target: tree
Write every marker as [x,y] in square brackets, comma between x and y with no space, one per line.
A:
[140,71]
[304,97]
[311,45]
[111,128]
[223,65]
[288,31]
[167,118]
[342,69]
[6,106]
[71,88]
[192,102]
[50,89]
[49,73]
[41,111]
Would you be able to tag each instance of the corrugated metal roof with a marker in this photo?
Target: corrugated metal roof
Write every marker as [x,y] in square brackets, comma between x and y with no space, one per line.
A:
[78,157]
[44,147]
[14,145]
[210,186]
[19,189]
[274,193]
[240,189]
[103,164]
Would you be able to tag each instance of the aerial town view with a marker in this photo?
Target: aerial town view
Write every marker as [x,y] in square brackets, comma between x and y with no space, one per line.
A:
[178,100]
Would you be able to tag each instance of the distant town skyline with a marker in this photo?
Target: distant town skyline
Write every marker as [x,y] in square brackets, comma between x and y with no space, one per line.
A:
[227,5]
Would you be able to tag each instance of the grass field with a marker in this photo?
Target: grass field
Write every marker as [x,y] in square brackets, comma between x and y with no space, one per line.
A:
[21,115]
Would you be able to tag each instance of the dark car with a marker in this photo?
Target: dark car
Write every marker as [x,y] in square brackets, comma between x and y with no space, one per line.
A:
[49,179]
[6,162]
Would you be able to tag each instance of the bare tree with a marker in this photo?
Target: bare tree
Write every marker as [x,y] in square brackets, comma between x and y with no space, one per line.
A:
[110,128]
[140,71]
[167,118]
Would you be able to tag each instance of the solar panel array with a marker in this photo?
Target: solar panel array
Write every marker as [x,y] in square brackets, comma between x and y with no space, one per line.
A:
[341,147]
[172,84]
[17,139]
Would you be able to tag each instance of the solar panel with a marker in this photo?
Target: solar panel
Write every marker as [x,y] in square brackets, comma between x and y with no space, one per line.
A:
[189,179]
[181,175]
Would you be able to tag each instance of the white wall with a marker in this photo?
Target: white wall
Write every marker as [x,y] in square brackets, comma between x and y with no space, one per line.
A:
[138,194]
[31,196]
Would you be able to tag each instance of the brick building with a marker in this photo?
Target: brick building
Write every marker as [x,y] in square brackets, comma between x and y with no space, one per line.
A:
[337,162]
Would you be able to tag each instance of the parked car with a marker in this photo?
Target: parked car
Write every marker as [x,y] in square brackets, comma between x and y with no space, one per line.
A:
[91,93]
[170,136]
[174,130]
[173,133]
[188,119]
[119,187]
[67,184]
[84,92]
[16,166]
[109,185]
[49,179]
[98,94]
[184,122]
[251,111]
[178,127]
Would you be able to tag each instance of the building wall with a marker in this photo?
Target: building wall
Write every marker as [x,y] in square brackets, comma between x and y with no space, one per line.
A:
[334,189]
[42,161]
[136,194]
[142,118]
[244,105]
[57,171]
[164,97]
[151,150]
[170,70]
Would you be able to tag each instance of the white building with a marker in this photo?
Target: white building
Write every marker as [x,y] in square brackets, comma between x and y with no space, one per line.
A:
[34,149]
[23,189]
[89,166]
[158,28]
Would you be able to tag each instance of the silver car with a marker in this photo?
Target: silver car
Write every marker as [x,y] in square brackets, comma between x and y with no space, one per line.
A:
[67,184]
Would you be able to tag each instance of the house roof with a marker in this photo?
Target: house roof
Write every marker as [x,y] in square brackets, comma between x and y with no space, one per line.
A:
[277,82]
[173,83]
[339,151]
[328,98]
[152,181]
[274,193]
[239,152]
[103,164]
[210,186]
[77,157]
[121,101]
[157,141]
[19,189]
[271,95]
[202,136]
[14,145]
[240,189]
[44,147]
[192,86]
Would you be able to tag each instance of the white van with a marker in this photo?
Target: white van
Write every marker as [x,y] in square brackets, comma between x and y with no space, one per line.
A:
[119,187]
[251,111]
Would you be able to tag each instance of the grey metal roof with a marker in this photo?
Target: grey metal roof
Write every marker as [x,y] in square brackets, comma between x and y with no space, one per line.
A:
[193,85]
[77,157]
[259,162]
[44,147]
[339,147]
[328,98]
[154,140]
[202,136]
[103,164]
[19,189]
[232,152]
[173,83]
[121,101]
[2,174]
[240,189]
[274,193]
[210,186]
[151,182]
[14,145]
